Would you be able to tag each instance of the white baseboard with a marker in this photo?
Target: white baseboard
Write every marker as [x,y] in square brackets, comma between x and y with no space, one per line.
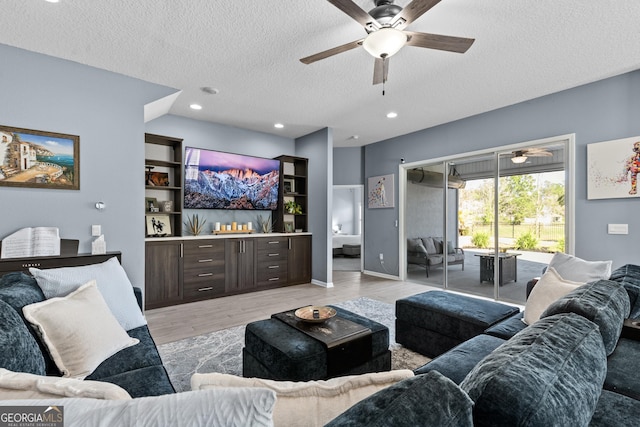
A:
[383,275]
[323,284]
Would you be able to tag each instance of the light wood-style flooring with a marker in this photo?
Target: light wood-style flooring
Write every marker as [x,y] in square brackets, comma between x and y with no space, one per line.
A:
[173,323]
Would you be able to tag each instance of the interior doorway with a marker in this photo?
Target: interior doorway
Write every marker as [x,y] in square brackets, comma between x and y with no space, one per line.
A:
[510,207]
[347,225]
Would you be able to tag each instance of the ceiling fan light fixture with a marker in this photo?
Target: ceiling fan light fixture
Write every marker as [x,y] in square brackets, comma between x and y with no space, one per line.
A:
[519,158]
[384,42]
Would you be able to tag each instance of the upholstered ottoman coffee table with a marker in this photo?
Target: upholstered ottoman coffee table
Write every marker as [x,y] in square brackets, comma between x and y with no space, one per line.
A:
[434,322]
[276,350]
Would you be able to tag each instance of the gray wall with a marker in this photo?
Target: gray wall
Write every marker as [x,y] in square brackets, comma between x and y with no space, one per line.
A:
[106,110]
[200,134]
[348,165]
[600,111]
[318,148]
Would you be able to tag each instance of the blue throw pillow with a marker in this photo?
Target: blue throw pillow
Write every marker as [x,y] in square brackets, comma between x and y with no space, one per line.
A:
[549,374]
[20,351]
[424,400]
[604,302]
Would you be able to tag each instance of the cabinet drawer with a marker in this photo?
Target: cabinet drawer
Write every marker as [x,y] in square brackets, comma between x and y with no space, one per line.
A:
[206,287]
[272,244]
[274,279]
[204,249]
[274,255]
[200,263]
[270,265]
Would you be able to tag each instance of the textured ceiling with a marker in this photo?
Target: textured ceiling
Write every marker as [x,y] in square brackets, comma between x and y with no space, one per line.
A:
[249,50]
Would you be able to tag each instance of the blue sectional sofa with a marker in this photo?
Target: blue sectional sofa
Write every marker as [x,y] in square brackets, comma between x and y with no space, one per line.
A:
[137,369]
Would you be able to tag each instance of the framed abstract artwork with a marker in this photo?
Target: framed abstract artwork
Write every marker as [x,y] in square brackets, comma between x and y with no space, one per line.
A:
[381,192]
[612,168]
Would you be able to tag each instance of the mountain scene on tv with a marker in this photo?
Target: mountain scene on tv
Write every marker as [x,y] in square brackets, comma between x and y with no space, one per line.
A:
[217,180]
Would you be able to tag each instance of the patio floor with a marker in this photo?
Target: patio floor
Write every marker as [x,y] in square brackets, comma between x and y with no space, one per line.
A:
[529,265]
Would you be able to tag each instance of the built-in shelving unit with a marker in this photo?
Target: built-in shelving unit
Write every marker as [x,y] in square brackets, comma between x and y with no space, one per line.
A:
[294,186]
[164,154]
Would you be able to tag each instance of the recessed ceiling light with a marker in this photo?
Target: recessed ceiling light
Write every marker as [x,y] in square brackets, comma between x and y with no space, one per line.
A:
[354,137]
[392,115]
[195,106]
[278,126]
[210,90]
[52,1]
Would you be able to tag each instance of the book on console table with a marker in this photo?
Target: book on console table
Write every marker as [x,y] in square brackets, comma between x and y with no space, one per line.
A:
[31,242]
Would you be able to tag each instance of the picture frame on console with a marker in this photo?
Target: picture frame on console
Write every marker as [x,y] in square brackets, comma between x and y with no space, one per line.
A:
[39,159]
[289,227]
[288,186]
[158,225]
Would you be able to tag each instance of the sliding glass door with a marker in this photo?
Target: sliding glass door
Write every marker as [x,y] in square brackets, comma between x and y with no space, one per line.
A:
[495,219]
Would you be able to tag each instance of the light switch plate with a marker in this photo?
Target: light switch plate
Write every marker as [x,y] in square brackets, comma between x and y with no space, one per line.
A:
[96,230]
[618,228]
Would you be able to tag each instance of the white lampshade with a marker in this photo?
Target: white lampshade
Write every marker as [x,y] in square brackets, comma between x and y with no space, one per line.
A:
[384,42]
[519,159]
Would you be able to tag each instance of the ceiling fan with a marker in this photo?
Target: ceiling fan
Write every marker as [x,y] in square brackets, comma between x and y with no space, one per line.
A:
[385,26]
[521,156]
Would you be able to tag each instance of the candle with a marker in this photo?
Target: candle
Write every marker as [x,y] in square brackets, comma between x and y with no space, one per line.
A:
[234,226]
[244,227]
[250,225]
[217,226]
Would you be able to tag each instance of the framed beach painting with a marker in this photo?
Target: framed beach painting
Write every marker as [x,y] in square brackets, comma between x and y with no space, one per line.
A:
[39,159]
[613,167]
[381,192]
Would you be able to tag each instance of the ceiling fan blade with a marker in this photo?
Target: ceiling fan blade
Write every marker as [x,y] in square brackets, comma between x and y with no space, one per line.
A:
[411,12]
[538,154]
[380,70]
[356,12]
[439,42]
[330,52]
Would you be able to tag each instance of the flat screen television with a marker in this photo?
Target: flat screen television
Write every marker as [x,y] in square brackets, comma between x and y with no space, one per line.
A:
[219,180]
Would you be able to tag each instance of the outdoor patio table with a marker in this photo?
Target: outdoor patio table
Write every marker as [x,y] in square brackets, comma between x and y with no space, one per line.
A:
[507,267]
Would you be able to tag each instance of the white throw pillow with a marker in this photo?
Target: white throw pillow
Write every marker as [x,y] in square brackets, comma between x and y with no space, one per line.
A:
[550,288]
[211,408]
[78,330]
[20,385]
[579,270]
[308,403]
[113,283]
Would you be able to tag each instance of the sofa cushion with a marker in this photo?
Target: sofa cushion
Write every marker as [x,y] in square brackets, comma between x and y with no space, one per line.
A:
[551,373]
[148,381]
[456,363]
[629,276]
[20,351]
[112,281]
[429,245]
[615,410]
[508,327]
[549,288]
[604,302]
[79,330]
[580,270]
[141,355]
[308,403]
[425,400]
[416,245]
[19,385]
[623,366]
[211,408]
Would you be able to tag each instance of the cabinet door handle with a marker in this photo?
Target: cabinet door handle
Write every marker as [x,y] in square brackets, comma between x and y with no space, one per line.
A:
[208,288]
[205,274]
[274,243]
[205,260]
[273,254]
[273,279]
[205,246]
[274,266]
[181,250]
[289,243]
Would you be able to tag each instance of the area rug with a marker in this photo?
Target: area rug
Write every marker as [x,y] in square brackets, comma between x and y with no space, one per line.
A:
[221,351]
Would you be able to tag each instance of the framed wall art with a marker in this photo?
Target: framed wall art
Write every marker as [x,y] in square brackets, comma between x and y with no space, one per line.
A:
[381,192]
[612,168]
[39,159]
[158,225]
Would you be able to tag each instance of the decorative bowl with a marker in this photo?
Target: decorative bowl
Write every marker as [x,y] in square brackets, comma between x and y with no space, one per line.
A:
[315,313]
